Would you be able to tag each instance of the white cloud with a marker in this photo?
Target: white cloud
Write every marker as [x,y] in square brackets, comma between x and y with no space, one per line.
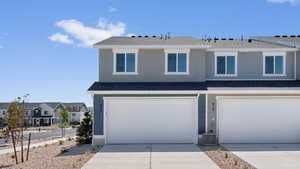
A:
[130,34]
[112,9]
[87,36]
[284,1]
[58,37]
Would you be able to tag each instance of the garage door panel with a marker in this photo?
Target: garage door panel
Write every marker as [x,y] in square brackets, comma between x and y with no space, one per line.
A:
[259,120]
[150,121]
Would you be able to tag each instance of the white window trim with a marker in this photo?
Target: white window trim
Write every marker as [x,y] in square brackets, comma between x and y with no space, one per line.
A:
[235,54]
[178,50]
[265,54]
[125,51]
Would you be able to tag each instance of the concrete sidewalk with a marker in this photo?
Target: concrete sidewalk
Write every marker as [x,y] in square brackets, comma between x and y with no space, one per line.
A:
[151,156]
[11,150]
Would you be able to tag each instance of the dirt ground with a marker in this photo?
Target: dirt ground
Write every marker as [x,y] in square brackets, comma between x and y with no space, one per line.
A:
[54,156]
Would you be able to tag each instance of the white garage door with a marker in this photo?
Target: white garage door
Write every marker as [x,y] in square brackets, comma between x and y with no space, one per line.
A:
[150,120]
[259,119]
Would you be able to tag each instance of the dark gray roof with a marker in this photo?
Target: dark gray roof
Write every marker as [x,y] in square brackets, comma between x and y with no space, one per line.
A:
[52,104]
[4,105]
[27,105]
[73,104]
[98,86]
[240,44]
[151,41]
[76,106]
[156,86]
[293,41]
[187,41]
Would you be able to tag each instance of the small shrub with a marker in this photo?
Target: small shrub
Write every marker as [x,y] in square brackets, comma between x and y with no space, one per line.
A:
[235,162]
[87,153]
[220,150]
[226,155]
[46,145]
[246,168]
[84,131]
[70,139]
[61,142]
[12,156]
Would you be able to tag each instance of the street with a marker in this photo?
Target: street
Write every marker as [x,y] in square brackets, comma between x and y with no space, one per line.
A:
[45,134]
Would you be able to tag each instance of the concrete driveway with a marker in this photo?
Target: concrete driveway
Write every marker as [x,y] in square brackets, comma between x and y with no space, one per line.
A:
[150,156]
[266,156]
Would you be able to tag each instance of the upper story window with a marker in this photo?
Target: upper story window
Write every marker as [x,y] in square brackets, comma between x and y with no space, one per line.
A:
[125,61]
[274,64]
[177,61]
[46,112]
[225,64]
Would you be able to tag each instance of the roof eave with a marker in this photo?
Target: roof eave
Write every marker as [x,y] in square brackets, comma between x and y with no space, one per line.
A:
[276,42]
[252,49]
[151,46]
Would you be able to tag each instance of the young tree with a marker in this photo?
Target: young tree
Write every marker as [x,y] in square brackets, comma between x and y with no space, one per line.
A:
[84,131]
[15,119]
[64,119]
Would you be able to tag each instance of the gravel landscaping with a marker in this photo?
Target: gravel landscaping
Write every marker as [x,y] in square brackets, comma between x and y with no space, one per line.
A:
[7,146]
[55,156]
[225,159]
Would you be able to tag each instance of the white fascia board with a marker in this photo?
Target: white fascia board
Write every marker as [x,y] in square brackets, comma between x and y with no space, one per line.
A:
[251,49]
[249,90]
[128,92]
[151,46]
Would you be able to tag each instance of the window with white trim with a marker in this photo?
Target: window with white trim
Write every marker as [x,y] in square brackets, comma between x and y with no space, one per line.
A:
[177,61]
[274,64]
[225,64]
[125,61]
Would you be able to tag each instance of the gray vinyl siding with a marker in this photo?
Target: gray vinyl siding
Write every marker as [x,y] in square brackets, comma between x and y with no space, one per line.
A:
[98,128]
[201,114]
[151,67]
[298,65]
[249,66]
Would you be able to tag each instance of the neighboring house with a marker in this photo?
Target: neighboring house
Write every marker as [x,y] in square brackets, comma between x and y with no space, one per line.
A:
[46,113]
[76,110]
[181,89]
[3,114]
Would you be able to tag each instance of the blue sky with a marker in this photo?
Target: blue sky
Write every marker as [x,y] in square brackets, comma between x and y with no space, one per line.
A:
[44,45]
